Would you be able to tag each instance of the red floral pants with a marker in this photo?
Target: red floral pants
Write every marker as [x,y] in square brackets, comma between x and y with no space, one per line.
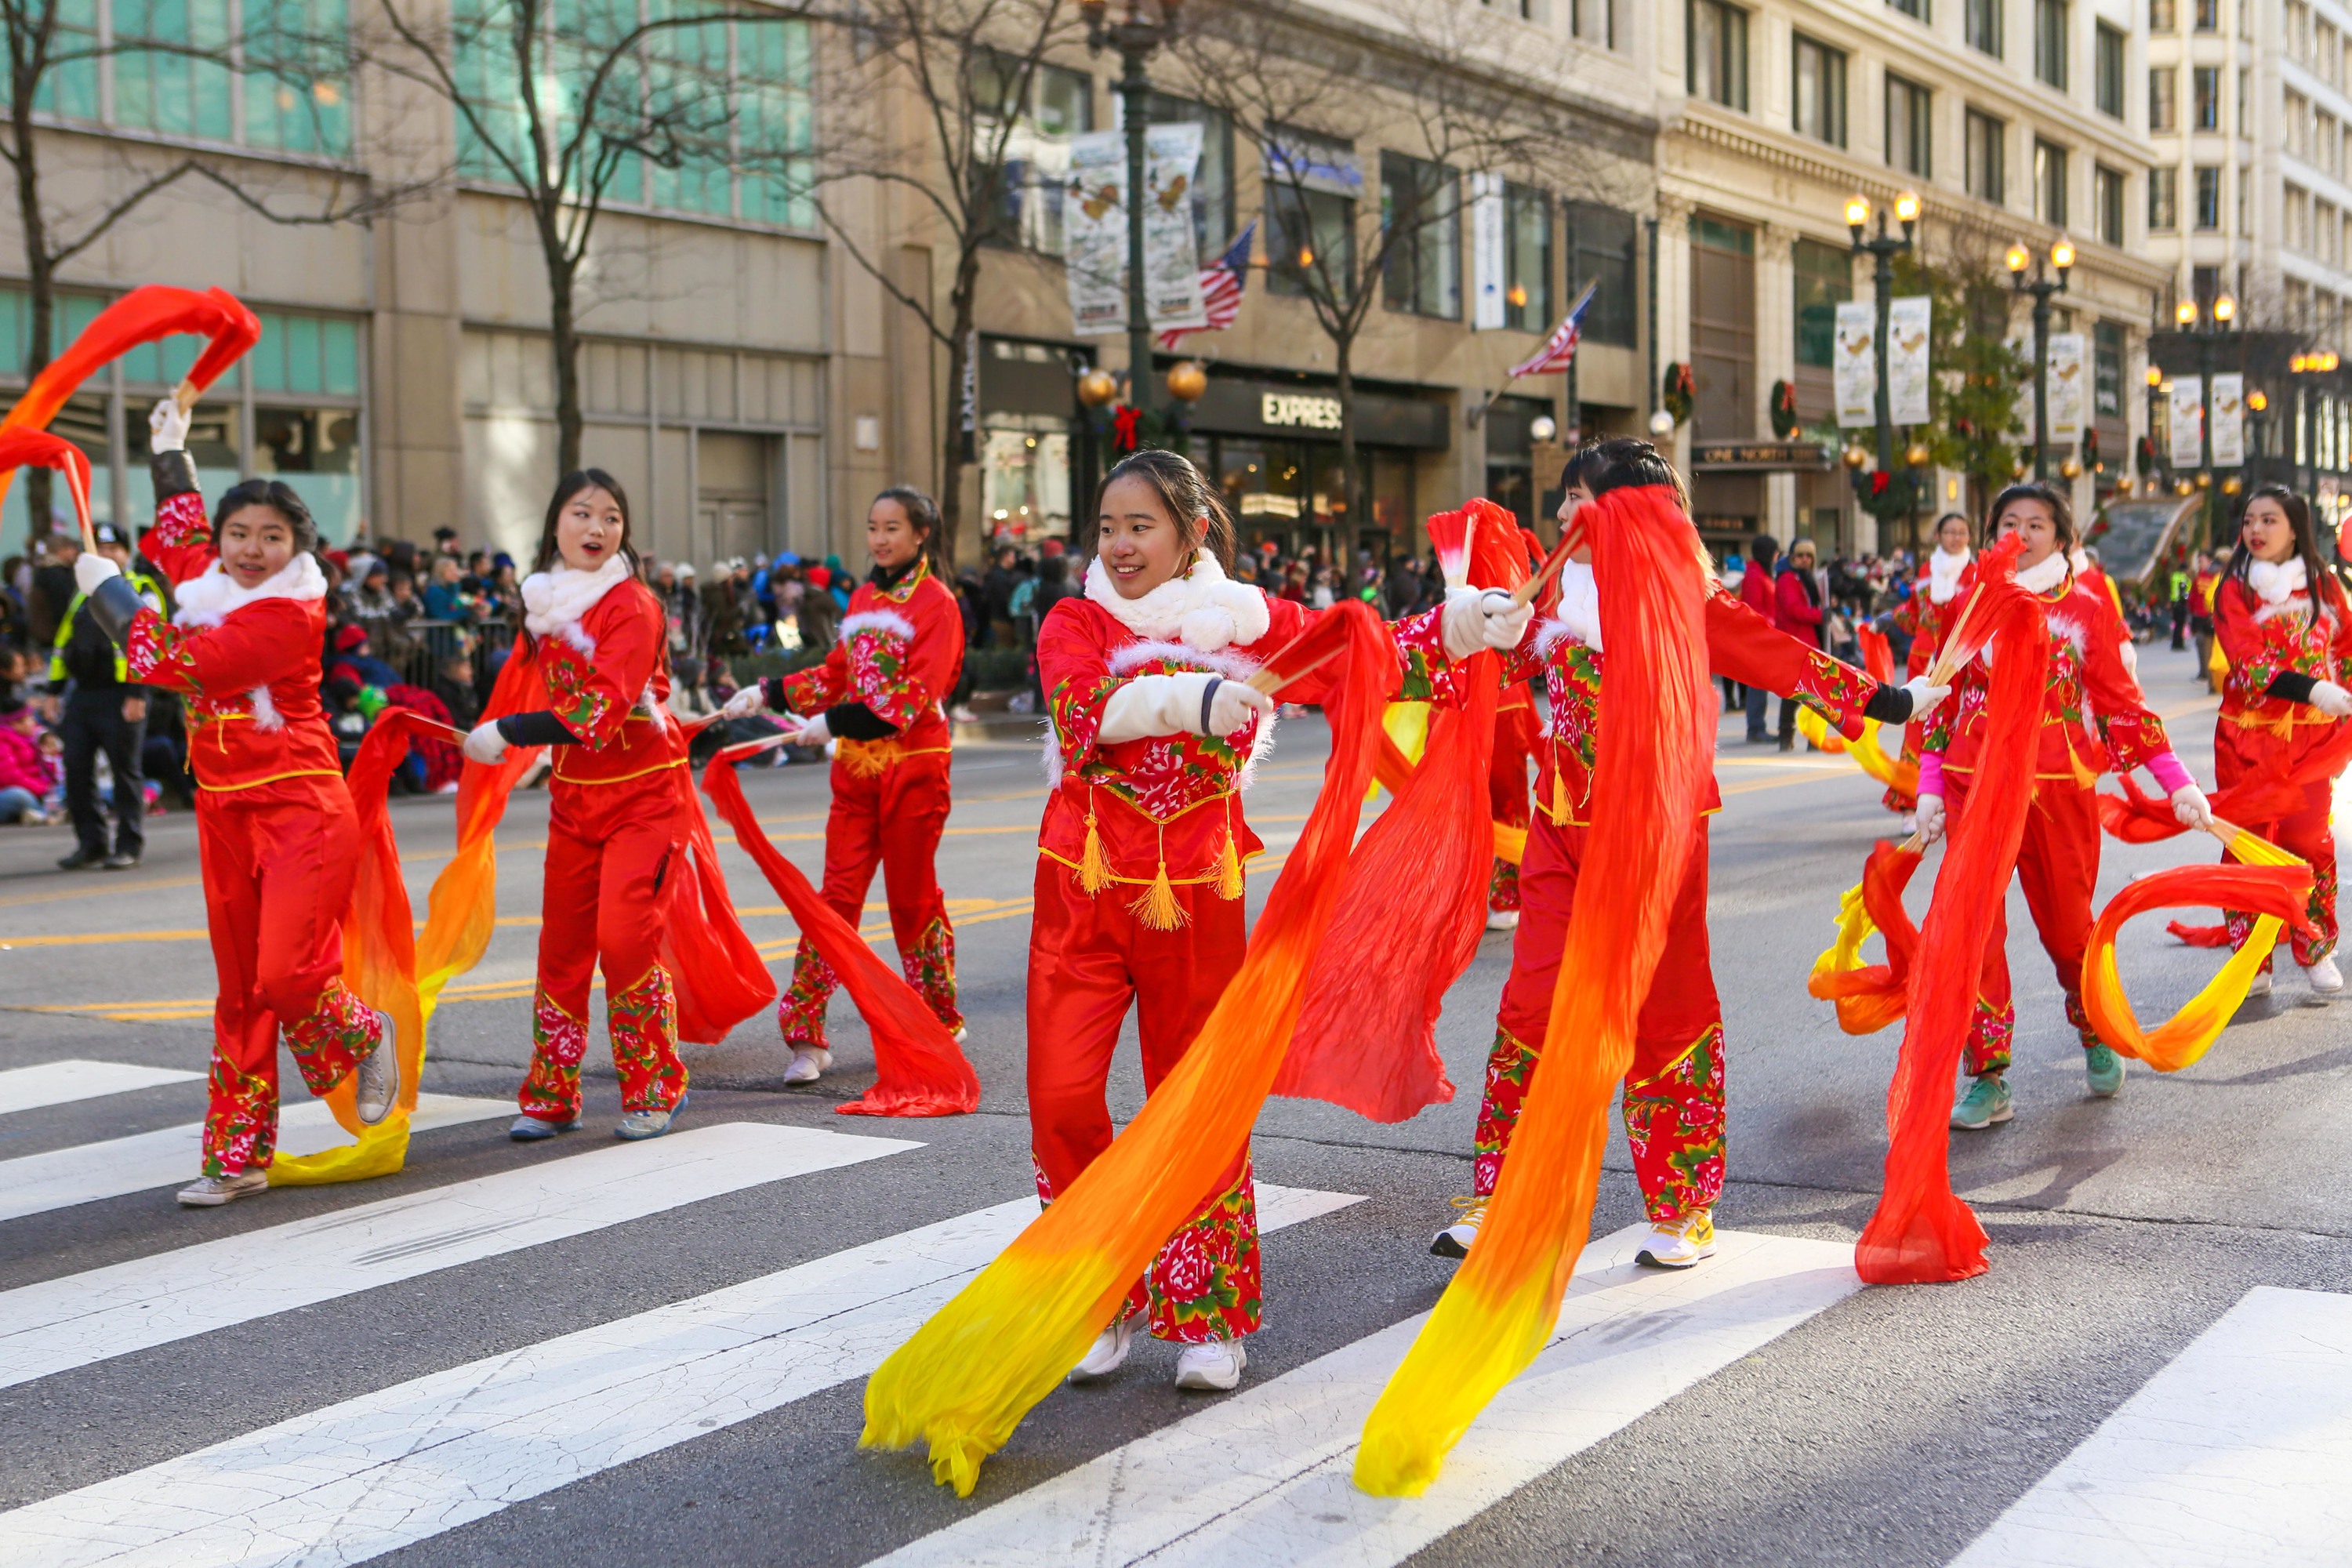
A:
[2309,834]
[2058,871]
[1089,961]
[1673,1104]
[892,820]
[1507,799]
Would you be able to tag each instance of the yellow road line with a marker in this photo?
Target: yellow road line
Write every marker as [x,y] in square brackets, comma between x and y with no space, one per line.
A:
[88,887]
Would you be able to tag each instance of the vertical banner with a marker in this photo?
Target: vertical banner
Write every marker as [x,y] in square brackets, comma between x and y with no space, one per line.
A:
[1856,369]
[1095,231]
[1908,320]
[2228,420]
[2187,421]
[1171,261]
[2065,374]
[1489,258]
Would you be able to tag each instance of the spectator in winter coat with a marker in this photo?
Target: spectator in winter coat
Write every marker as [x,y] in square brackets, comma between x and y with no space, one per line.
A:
[820,615]
[1798,601]
[1757,592]
[28,765]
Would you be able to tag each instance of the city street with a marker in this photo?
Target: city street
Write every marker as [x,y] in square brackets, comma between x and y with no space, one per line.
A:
[584,1352]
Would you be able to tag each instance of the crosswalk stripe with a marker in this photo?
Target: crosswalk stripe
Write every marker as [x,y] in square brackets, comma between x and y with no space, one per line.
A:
[72,1322]
[1264,1477]
[380,1472]
[60,1083]
[2232,1457]
[35,1183]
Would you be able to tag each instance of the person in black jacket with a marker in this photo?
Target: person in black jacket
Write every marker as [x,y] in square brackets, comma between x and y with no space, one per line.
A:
[95,708]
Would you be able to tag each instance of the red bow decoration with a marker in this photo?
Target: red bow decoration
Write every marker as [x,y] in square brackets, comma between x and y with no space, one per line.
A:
[1123,420]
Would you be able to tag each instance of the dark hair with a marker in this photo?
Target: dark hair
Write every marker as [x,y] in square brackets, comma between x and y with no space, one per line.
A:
[2061,511]
[1949,516]
[571,485]
[1763,549]
[1619,463]
[921,509]
[279,496]
[1189,497]
[2306,541]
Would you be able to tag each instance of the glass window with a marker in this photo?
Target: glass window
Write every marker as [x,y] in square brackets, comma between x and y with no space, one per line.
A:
[2050,29]
[1421,212]
[2163,199]
[1988,160]
[2111,71]
[1602,252]
[296,100]
[1527,260]
[172,90]
[1213,180]
[2206,95]
[1311,186]
[1718,52]
[2208,198]
[1910,127]
[2109,191]
[2107,368]
[2164,98]
[1036,144]
[1825,281]
[1917,9]
[2209,16]
[2050,183]
[1983,23]
[2163,15]
[1818,95]
[316,451]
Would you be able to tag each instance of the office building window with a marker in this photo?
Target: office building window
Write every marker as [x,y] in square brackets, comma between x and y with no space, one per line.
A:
[2050,29]
[2107,369]
[1988,167]
[1825,281]
[2050,183]
[2245,103]
[1916,9]
[1213,177]
[2208,198]
[2163,16]
[2163,199]
[1420,205]
[1311,186]
[168,68]
[2209,16]
[1718,52]
[1526,259]
[1983,25]
[2205,96]
[2111,71]
[1910,127]
[1600,252]
[1594,21]
[2164,98]
[1818,92]
[2108,187]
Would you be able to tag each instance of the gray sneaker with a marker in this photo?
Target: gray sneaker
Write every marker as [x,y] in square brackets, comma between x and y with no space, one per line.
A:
[211,1192]
[531,1129]
[375,1087]
[640,1124]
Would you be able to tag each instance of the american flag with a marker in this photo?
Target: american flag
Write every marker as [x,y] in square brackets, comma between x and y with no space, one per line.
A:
[1559,348]
[1221,287]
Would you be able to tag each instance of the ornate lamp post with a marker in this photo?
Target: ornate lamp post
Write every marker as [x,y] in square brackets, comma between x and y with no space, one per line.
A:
[1882,249]
[1145,26]
[2042,286]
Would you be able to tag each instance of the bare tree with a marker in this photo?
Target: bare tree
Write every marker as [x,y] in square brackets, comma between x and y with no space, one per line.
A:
[970,67]
[1314,95]
[570,106]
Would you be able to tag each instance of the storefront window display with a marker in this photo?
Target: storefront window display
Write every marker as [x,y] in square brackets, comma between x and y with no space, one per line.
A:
[1026,484]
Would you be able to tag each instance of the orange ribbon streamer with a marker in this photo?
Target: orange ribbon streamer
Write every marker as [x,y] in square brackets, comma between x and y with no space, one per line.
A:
[20,444]
[920,1070]
[1870,997]
[968,1375]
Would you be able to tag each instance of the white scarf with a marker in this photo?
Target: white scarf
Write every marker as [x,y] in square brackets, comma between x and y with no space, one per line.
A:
[2276,582]
[2047,575]
[1580,602]
[213,595]
[552,601]
[1203,609]
[1943,569]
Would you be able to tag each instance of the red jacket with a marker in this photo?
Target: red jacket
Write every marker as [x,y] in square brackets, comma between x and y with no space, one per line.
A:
[1798,615]
[900,655]
[2265,642]
[1756,593]
[607,681]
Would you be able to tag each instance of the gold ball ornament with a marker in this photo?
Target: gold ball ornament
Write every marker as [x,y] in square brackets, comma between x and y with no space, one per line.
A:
[2071,468]
[2230,485]
[1097,387]
[1855,456]
[2183,488]
[1186,381]
[1917,455]
[2204,481]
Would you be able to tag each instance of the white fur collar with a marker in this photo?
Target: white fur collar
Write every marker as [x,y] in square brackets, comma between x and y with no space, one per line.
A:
[1943,569]
[2276,582]
[1203,609]
[2040,579]
[554,600]
[213,595]
[1579,604]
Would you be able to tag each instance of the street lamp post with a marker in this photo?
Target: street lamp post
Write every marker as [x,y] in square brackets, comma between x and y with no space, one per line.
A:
[2042,286]
[1142,30]
[2160,450]
[1882,249]
[2201,328]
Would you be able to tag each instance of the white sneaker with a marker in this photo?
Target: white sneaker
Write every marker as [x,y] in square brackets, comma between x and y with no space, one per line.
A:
[2261,984]
[1679,1246]
[1108,1353]
[375,1085]
[960,1036]
[807,1065]
[2325,977]
[211,1192]
[1455,1240]
[1215,1367]
[1502,920]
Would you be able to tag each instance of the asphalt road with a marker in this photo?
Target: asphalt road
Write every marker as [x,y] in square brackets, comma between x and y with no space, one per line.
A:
[1889,1425]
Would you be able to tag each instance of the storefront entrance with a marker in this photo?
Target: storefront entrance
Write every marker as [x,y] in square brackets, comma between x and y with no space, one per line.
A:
[1273,448]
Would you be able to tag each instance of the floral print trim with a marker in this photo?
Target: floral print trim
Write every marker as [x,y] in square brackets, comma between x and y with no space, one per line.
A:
[1206,1283]
[550,1090]
[241,1122]
[1674,1124]
[157,652]
[642,1022]
[814,690]
[800,1011]
[1991,1030]
[1510,1069]
[930,970]
[179,523]
[2078,1016]
[329,1043]
[878,666]
[1503,887]
[574,699]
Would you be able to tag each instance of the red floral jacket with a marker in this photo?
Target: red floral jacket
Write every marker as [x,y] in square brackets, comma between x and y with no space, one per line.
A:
[607,681]
[1741,645]
[901,656]
[2276,654]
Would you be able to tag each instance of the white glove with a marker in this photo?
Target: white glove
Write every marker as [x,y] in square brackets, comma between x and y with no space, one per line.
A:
[1929,815]
[813,732]
[1171,705]
[167,427]
[485,745]
[90,569]
[2327,696]
[1461,625]
[2189,808]
[1234,704]
[752,699]
[1504,619]
[1925,697]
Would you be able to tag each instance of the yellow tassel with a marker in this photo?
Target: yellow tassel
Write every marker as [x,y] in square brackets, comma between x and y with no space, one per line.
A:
[1229,885]
[1158,909]
[1559,811]
[1094,869]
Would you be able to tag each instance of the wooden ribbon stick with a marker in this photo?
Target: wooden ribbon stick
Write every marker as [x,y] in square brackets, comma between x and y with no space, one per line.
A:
[1270,680]
[1942,669]
[1525,593]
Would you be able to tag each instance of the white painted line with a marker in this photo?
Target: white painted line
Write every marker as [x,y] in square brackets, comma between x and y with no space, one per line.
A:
[83,1318]
[60,1083]
[35,1183]
[2233,1455]
[378,1472]
[1264,1477]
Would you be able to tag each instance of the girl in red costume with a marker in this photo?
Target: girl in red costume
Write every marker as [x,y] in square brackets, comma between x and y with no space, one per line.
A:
[1673,1095]
[2282,618]
[880,697]
[2091,696]
[598,636]
[1139,887]
[275,826]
